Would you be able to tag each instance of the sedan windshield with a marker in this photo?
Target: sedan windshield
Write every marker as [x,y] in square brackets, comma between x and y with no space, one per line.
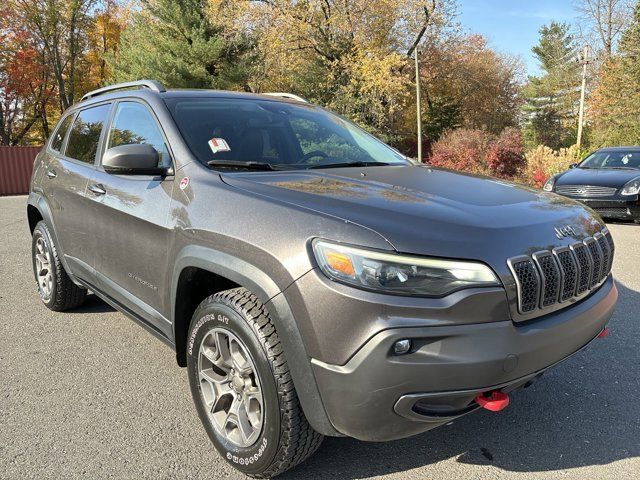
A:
[273,135]
[625,159]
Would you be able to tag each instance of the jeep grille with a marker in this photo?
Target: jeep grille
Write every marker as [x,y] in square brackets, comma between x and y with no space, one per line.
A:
[554,276]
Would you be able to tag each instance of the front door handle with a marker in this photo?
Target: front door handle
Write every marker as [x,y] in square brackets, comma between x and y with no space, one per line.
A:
[51,173]
[97,188]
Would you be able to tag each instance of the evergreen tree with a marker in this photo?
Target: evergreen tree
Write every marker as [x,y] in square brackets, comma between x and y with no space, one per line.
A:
[174,42]
[616,101]
[551,99]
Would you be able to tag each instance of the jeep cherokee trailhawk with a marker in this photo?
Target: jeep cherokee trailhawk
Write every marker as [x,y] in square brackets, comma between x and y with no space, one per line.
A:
[313,280]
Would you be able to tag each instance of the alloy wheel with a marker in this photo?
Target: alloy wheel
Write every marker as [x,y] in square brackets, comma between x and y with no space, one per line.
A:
[44,275]
[230,387]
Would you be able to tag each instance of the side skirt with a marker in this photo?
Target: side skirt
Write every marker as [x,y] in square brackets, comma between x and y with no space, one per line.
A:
[132,315]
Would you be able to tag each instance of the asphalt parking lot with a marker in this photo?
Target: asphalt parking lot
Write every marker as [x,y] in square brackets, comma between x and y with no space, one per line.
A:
[89,394]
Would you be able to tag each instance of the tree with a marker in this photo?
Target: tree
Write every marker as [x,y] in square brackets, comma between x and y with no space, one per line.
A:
[25,82]
[616,100]
[175,42]
[60,29]
[467,84]
[606,20]
[349,55]
[103,40]
[551,99]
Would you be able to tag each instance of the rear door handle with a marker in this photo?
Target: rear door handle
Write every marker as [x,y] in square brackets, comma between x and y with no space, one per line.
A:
[51,173]
[97,188]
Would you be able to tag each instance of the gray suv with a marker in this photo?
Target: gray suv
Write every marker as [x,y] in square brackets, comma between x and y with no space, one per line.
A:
[313,280]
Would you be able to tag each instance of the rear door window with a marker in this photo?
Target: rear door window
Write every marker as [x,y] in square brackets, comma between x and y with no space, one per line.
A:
[61,132]
[84,136]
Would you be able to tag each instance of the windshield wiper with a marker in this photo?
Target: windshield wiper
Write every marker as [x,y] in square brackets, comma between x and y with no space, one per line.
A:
[348,164]
[241,164]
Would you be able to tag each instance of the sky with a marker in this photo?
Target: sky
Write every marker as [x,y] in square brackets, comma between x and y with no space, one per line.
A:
[512,26]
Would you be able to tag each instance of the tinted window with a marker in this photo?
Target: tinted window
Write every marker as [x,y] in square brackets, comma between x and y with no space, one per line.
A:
[624,159]
[134,124]
[85,133]
[284,134]
[58,137]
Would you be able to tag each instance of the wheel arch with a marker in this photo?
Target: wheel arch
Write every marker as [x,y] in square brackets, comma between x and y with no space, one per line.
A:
[230,272]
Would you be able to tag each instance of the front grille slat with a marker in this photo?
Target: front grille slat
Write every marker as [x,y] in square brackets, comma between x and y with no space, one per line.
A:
[528,284]
[569,270]
[585,191]
[612,248]
[549,277]
[606,254]
[585,264]
[596,257]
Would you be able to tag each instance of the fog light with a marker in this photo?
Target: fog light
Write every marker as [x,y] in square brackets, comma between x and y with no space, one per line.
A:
[402,346]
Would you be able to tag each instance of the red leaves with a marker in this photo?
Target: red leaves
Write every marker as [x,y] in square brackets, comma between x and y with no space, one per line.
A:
[477,151]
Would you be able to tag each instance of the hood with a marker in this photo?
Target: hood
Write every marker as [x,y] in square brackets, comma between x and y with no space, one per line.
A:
[601,177]
[431,211]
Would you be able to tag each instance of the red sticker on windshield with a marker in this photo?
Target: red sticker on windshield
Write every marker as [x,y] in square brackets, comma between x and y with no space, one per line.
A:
[218,145]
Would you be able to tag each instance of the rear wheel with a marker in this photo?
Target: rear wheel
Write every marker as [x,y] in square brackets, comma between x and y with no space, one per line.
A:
[57,291]
[242,387]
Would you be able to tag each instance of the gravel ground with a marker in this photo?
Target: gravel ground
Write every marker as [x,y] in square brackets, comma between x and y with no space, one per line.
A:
[89,394]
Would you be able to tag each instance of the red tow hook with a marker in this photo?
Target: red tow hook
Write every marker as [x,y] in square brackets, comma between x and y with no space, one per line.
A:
[493,401]
[604,333]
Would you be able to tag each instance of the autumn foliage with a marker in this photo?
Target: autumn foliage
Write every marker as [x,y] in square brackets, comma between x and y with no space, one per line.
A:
[476,151]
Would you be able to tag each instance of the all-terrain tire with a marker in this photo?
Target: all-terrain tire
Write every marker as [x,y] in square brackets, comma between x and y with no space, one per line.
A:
[63,294]
[286,438]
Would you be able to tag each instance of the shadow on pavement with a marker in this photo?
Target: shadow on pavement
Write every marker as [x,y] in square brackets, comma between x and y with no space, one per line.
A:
[93,304]
[584,412]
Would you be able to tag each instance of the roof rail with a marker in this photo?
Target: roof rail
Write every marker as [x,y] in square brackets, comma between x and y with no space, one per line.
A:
[150,84]
[286,95]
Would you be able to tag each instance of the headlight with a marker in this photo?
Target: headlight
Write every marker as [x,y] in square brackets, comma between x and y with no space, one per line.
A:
[399,274]
[631,188]
[548,185]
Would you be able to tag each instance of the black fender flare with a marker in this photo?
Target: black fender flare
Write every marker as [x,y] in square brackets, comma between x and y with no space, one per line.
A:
[261,284]
[38,201]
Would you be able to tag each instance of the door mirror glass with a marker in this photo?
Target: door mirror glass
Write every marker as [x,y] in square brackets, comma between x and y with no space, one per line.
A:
[134,159]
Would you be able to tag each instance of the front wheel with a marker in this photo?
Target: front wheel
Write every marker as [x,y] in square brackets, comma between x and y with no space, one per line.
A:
[242,387]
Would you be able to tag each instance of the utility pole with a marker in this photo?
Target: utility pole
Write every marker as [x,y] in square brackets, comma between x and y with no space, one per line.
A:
[584,60]
[429,8]
[418,105]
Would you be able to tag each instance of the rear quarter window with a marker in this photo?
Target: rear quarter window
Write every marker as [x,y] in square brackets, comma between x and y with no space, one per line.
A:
[84,136]
[58,137]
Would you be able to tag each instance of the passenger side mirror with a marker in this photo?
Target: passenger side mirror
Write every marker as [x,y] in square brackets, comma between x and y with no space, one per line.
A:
[573,165]
[135,159]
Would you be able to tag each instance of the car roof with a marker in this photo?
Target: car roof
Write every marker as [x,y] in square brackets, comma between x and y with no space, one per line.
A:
[185,93]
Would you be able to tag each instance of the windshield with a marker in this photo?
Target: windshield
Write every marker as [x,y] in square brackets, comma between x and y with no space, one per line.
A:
[612,159]
[288,136]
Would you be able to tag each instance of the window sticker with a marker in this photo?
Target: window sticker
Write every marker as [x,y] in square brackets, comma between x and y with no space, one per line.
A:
[218,145]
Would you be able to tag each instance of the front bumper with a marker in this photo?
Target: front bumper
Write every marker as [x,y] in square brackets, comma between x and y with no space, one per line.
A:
[378,396]
[620,208]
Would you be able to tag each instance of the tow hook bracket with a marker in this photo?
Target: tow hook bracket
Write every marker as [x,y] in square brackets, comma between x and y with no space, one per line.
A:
[493,401]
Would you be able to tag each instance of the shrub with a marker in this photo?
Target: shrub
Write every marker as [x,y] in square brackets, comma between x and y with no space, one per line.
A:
[505,156]
[462,149]
[477,151]
[543,162]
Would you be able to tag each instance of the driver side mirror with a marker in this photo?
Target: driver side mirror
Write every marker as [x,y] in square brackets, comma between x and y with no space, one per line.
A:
[135,159]
[573,165]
